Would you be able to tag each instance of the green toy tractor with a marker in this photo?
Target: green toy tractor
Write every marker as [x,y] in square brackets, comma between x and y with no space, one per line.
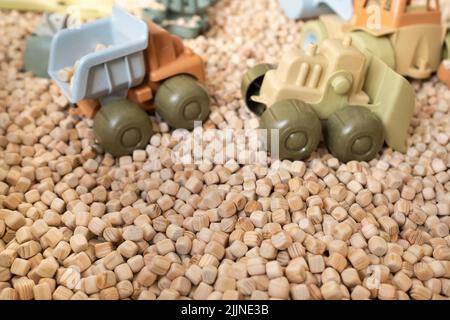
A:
[356,99]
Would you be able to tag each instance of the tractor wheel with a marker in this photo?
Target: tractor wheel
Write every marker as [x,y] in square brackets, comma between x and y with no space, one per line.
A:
[251,85]
[122,127]
[354,133]
[181,101]
[300,129]
[313,32]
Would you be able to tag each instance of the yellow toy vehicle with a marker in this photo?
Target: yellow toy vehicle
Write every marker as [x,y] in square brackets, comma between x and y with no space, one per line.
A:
[407,36]
[359,100]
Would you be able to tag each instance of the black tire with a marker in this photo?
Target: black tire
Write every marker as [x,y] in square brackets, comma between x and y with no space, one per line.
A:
[300,129]
[251,86]
[354,133]
[122,127]
[181,101]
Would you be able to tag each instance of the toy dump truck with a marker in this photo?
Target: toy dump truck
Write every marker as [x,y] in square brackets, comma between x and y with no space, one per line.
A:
[307,9]
[408,37]
[141,68]
[184,18]
[358,100]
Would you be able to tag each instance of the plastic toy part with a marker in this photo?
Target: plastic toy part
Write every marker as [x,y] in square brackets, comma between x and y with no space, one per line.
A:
[121,127]
[251,86]
[354,133]
[446,48]
[186,19]
[359,99]
[181,101]
[415,31]
[188,6]
[444,72]
[380,47]
[406,35]
[38,45]
[138,61]
[305,9]
[52,23]
[316,31]
[109,72]
[36,55]
[395,14]
[313,32]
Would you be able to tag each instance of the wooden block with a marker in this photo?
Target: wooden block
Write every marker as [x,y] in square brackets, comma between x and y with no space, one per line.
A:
[20,267]
[42,291]
[24,288]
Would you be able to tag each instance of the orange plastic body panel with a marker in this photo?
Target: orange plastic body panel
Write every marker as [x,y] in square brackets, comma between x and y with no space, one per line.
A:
[395,14]
[166,56]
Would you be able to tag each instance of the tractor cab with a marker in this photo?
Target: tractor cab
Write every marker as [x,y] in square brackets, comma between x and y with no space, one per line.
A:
[326,79]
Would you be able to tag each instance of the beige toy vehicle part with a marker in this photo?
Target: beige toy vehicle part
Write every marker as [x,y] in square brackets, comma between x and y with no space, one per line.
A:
[306,75]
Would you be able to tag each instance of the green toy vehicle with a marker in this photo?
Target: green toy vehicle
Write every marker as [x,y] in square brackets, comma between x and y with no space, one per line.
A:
[409,36]
[184,18]
[357,99]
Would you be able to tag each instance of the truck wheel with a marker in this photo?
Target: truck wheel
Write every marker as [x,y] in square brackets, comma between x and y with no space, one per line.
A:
[313,32]
[299,128]
[122,127]
[251,85]
[181,101]
[354,133]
